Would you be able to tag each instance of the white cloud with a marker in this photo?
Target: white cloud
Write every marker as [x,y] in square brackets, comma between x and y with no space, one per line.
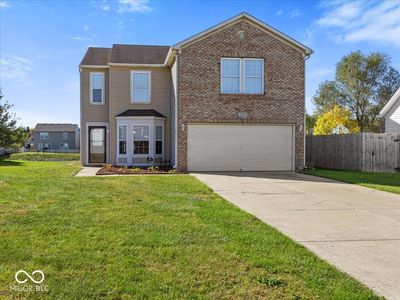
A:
[16,68]
[86,28]
[105,7]
[360,21]
[134,6]
[279,13]
[4,4]
[120,25]
[294,13]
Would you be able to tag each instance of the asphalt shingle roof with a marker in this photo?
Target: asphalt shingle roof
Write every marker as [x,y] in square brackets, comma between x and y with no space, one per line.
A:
[140,113]
[126,54]
[55,127]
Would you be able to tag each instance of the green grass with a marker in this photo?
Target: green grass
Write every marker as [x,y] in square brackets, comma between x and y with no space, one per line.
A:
[388,182]
[40,156]
[147,237]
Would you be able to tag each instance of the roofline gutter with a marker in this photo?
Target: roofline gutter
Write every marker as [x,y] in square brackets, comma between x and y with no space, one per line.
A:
[94,66]
[389,104]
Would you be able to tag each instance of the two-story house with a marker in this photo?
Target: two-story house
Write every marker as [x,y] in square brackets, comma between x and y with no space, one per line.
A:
[230,98]
[54,137]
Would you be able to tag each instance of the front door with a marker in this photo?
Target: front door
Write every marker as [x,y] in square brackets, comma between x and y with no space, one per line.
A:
[97,144]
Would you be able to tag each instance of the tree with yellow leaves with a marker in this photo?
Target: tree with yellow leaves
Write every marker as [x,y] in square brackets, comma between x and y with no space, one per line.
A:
[336,121]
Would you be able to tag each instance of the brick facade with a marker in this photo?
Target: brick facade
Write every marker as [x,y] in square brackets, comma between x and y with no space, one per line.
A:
[200,100]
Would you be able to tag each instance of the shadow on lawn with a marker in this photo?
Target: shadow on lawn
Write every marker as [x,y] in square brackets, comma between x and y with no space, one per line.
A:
[5,162]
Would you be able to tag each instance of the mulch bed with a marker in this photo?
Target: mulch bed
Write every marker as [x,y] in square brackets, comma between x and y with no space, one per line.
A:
[114,170]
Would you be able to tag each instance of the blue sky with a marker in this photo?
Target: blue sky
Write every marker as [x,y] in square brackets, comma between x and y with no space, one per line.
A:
[43,42]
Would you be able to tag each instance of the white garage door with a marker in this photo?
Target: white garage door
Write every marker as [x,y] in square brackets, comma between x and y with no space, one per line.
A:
[218,147]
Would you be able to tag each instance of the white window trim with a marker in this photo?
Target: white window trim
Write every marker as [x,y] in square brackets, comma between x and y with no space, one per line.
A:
[148,154]
[162,140]
[126,140]
[148,84]
[102,89]
[65,135]
[43,138]
[242,75]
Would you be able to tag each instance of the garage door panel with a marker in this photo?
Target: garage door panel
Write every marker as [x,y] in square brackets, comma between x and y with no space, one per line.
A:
[240,147]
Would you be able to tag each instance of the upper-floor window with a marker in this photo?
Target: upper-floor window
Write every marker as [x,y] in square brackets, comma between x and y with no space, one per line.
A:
[65,135]
[97,88]
[140,86]
[242,75]
[44,135]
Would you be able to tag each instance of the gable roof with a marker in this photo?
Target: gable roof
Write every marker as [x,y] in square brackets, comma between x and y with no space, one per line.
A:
[394,99]
[140,113]
[245,15]
[144,55]
[55,127]
[138,54]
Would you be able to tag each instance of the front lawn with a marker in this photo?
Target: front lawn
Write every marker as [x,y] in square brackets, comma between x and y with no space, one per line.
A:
[388,182]
[147,237]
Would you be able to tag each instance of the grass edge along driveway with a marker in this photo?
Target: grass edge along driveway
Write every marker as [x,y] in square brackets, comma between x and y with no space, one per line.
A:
[387,182]
[148,237]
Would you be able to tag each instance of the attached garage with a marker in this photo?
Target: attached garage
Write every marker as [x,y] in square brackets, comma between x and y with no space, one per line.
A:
[243,147]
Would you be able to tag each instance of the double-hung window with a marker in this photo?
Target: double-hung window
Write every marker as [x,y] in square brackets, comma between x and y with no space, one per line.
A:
[140,86]
[141,139]
[122,139]
[44,135]
[242,75]
[97,88]
[159,140]
[65,135]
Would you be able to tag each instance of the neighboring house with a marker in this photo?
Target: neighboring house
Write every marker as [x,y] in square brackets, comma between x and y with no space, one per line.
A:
[55,137]
[391,113]
[230,98]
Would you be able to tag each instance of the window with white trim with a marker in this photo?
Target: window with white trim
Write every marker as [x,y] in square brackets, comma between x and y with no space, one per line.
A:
[44,135]
[122,134]
[64,146]
[65,135]
[141,139]
[140,86]
[97,88]
[242,75]
[47,146]
[40,146]
[159,140]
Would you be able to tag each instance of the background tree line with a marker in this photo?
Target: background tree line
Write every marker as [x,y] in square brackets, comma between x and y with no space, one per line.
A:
[363,84]
[11,135]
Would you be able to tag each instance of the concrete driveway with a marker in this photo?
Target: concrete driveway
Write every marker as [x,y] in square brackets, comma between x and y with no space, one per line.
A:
[355,228]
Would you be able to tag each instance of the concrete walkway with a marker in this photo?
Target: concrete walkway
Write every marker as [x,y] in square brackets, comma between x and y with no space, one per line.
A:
[354,228]
[87,172]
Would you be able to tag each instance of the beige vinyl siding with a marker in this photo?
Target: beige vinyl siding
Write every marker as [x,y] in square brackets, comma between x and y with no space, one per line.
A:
[392,119]
[91,112]
[120,96]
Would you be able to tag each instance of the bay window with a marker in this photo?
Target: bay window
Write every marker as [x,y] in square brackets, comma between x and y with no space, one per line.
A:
[159,140]
[141,139]
[122,139]
[242,75]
